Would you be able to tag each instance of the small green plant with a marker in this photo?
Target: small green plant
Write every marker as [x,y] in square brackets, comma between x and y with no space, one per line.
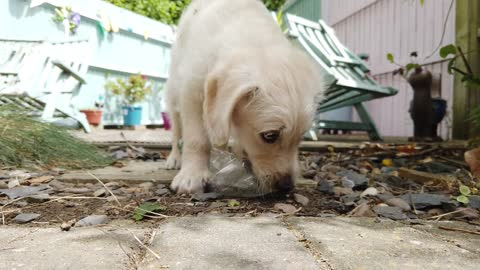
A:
[465,193]
[404,70]
[233,203]
[147,209]
[469,78]
[134,90]
[456,52]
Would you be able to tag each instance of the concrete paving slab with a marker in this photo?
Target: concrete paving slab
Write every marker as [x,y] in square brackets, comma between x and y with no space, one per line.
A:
[462,240]
[133,172]
[351,243]
[80,248]
[213,242]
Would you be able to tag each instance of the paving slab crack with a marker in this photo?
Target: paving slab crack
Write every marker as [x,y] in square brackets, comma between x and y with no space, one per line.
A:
[444,239]
[307,244]
[137,256]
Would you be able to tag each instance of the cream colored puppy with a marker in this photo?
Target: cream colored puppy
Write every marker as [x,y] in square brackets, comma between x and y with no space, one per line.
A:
[235,74]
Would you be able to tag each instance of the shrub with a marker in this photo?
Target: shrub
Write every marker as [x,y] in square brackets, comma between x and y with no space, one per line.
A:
[169,11]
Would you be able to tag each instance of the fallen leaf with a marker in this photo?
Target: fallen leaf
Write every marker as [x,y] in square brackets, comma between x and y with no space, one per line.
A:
[40,180]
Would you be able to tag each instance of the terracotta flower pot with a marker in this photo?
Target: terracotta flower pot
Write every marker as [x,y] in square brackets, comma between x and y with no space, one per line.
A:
[94,117]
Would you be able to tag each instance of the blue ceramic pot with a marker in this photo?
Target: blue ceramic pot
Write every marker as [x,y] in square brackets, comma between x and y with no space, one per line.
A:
[132,116]
[440,109]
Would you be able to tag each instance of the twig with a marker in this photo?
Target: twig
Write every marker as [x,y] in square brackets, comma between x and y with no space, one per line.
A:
[3,206]
[444,30]
[456,162]
[109,191]
[460,71]
[447,214]
[146,247]
[467,65]
[146,211]
[458,230]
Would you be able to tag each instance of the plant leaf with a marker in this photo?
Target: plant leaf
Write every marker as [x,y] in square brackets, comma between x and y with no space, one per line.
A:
[447,50]
[233,203]
[463,199]
[422,3]
[451,63]
[391,58]
[464,190]
[146,207]
[411,66]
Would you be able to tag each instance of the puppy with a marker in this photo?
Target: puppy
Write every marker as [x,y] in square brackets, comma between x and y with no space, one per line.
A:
[234,74]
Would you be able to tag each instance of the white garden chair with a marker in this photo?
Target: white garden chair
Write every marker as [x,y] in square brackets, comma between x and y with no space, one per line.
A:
[44,78]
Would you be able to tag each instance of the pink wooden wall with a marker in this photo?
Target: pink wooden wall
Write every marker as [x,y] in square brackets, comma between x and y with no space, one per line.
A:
[378,27]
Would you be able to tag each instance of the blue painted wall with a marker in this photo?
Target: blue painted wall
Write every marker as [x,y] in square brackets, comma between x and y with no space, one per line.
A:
[117,54]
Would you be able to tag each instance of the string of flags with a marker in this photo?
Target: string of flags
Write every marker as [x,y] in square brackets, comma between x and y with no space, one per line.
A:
[71,19]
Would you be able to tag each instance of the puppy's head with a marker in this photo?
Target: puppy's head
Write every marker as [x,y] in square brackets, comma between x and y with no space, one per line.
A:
[265,100]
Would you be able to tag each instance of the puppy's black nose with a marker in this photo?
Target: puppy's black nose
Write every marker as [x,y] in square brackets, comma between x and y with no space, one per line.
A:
[285,184]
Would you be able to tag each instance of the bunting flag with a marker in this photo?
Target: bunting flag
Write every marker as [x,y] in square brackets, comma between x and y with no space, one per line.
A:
[70,21]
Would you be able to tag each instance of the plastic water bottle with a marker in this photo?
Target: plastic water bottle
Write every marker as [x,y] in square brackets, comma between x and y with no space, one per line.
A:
[231,176]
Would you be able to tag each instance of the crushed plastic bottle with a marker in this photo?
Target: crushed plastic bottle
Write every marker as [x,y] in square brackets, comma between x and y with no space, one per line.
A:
[231,177]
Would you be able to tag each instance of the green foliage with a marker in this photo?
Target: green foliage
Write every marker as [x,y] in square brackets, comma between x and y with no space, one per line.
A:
[274,4]
[166,11]
[233,203]
[464,190]
[147,208]
[391,58]
[447,50]
[465,71]
[465,193]
[134,90]
[463,199]
[403,70]
[169,11]
[28,143]
[411,66]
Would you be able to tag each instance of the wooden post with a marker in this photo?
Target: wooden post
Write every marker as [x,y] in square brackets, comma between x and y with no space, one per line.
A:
[467,37]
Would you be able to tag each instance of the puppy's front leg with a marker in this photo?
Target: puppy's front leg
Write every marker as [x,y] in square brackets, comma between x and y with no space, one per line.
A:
[194,173]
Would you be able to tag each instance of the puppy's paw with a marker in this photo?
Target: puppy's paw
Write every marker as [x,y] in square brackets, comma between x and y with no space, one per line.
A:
[173,161]
[190,181]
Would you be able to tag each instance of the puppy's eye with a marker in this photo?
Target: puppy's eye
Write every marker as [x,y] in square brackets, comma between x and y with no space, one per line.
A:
[270,136]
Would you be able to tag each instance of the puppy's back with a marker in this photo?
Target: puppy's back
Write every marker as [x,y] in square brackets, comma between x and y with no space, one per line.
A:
[210,26]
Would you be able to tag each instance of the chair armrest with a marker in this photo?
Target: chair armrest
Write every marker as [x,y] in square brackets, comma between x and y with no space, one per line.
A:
[70,71]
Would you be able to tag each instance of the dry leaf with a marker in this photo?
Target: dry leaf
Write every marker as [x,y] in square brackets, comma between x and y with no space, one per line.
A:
[40,180]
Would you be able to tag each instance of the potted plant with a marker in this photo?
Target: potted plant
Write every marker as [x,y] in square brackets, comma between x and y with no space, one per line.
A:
[134,91]
[94,116]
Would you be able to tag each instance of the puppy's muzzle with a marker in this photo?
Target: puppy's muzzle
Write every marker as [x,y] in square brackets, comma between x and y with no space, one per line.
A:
[285,184]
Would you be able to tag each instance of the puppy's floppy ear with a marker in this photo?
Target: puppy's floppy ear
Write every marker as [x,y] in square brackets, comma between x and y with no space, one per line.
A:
[222,93]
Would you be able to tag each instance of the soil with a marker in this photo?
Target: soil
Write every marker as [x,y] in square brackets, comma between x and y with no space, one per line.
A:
[379,164]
